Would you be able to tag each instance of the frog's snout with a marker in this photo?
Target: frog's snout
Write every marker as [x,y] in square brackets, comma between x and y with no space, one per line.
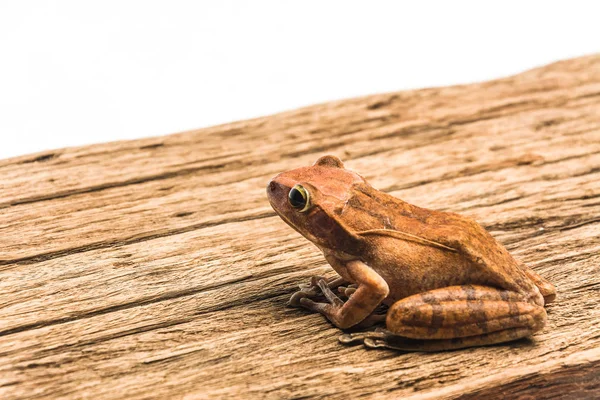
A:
[274,191]
[271,187]
[278,190]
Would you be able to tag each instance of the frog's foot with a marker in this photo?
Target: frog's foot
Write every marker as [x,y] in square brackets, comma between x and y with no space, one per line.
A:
[379,334]
[323,308]
[376,317]
[306,292]
[384,339]
[312,290]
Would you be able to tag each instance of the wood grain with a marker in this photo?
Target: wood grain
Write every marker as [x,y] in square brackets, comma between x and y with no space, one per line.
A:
[156,268]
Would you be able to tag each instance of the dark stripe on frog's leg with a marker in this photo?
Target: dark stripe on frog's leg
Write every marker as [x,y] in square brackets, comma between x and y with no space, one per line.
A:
[459,311]
[466,292]
[470,292]
[473,293]
[437,318]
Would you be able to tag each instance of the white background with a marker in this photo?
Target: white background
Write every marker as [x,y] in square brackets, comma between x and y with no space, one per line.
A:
[78,72]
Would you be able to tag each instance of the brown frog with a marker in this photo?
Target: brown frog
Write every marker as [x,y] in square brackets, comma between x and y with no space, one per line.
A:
[448,283]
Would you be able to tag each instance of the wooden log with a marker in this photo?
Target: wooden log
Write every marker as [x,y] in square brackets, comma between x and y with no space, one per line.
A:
[156,267]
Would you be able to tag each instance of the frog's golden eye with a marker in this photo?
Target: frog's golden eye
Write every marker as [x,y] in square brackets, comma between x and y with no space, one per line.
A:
[299,198]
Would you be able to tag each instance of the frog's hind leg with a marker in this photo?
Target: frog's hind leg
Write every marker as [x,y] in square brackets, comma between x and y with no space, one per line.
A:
[376,317]
[456,317]
[463,311]
[546,288]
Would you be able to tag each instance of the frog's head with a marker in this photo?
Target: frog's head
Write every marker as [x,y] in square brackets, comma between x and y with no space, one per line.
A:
[311,200]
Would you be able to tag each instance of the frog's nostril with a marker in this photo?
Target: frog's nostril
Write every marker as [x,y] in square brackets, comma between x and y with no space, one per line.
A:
[272,186]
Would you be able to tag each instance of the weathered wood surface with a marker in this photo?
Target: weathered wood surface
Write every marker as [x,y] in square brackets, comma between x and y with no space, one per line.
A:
[156,268]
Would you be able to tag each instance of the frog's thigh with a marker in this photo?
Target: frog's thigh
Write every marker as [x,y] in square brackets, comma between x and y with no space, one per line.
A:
[465,311]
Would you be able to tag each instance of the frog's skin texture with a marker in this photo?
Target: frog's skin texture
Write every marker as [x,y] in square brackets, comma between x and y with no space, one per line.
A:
[448,283]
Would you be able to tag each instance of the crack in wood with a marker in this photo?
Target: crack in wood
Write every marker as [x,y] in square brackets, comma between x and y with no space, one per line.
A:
[142,237]
[579,224]
[110,185]
[165,297]
[41,158]
[137,303]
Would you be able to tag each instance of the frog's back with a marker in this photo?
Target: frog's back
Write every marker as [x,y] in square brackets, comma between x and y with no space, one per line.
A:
[458,249]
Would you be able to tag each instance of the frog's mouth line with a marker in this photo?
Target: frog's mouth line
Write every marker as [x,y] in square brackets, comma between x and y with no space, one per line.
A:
[308,236]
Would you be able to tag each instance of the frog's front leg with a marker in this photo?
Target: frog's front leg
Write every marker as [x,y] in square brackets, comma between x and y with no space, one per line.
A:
[371,291]
[455,317]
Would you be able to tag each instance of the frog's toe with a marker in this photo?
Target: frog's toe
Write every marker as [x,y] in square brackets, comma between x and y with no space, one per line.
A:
[361,337]
[346,291]
[375,343]
[309,291]
[351,338]
[295,299]
[314,280]
[328,293]
[389,343]
[323,308]
[301,294]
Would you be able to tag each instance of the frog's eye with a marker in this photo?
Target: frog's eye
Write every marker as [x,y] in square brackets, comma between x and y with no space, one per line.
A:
[299,198]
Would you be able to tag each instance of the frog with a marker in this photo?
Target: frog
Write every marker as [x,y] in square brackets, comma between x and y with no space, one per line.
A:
[442,280]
